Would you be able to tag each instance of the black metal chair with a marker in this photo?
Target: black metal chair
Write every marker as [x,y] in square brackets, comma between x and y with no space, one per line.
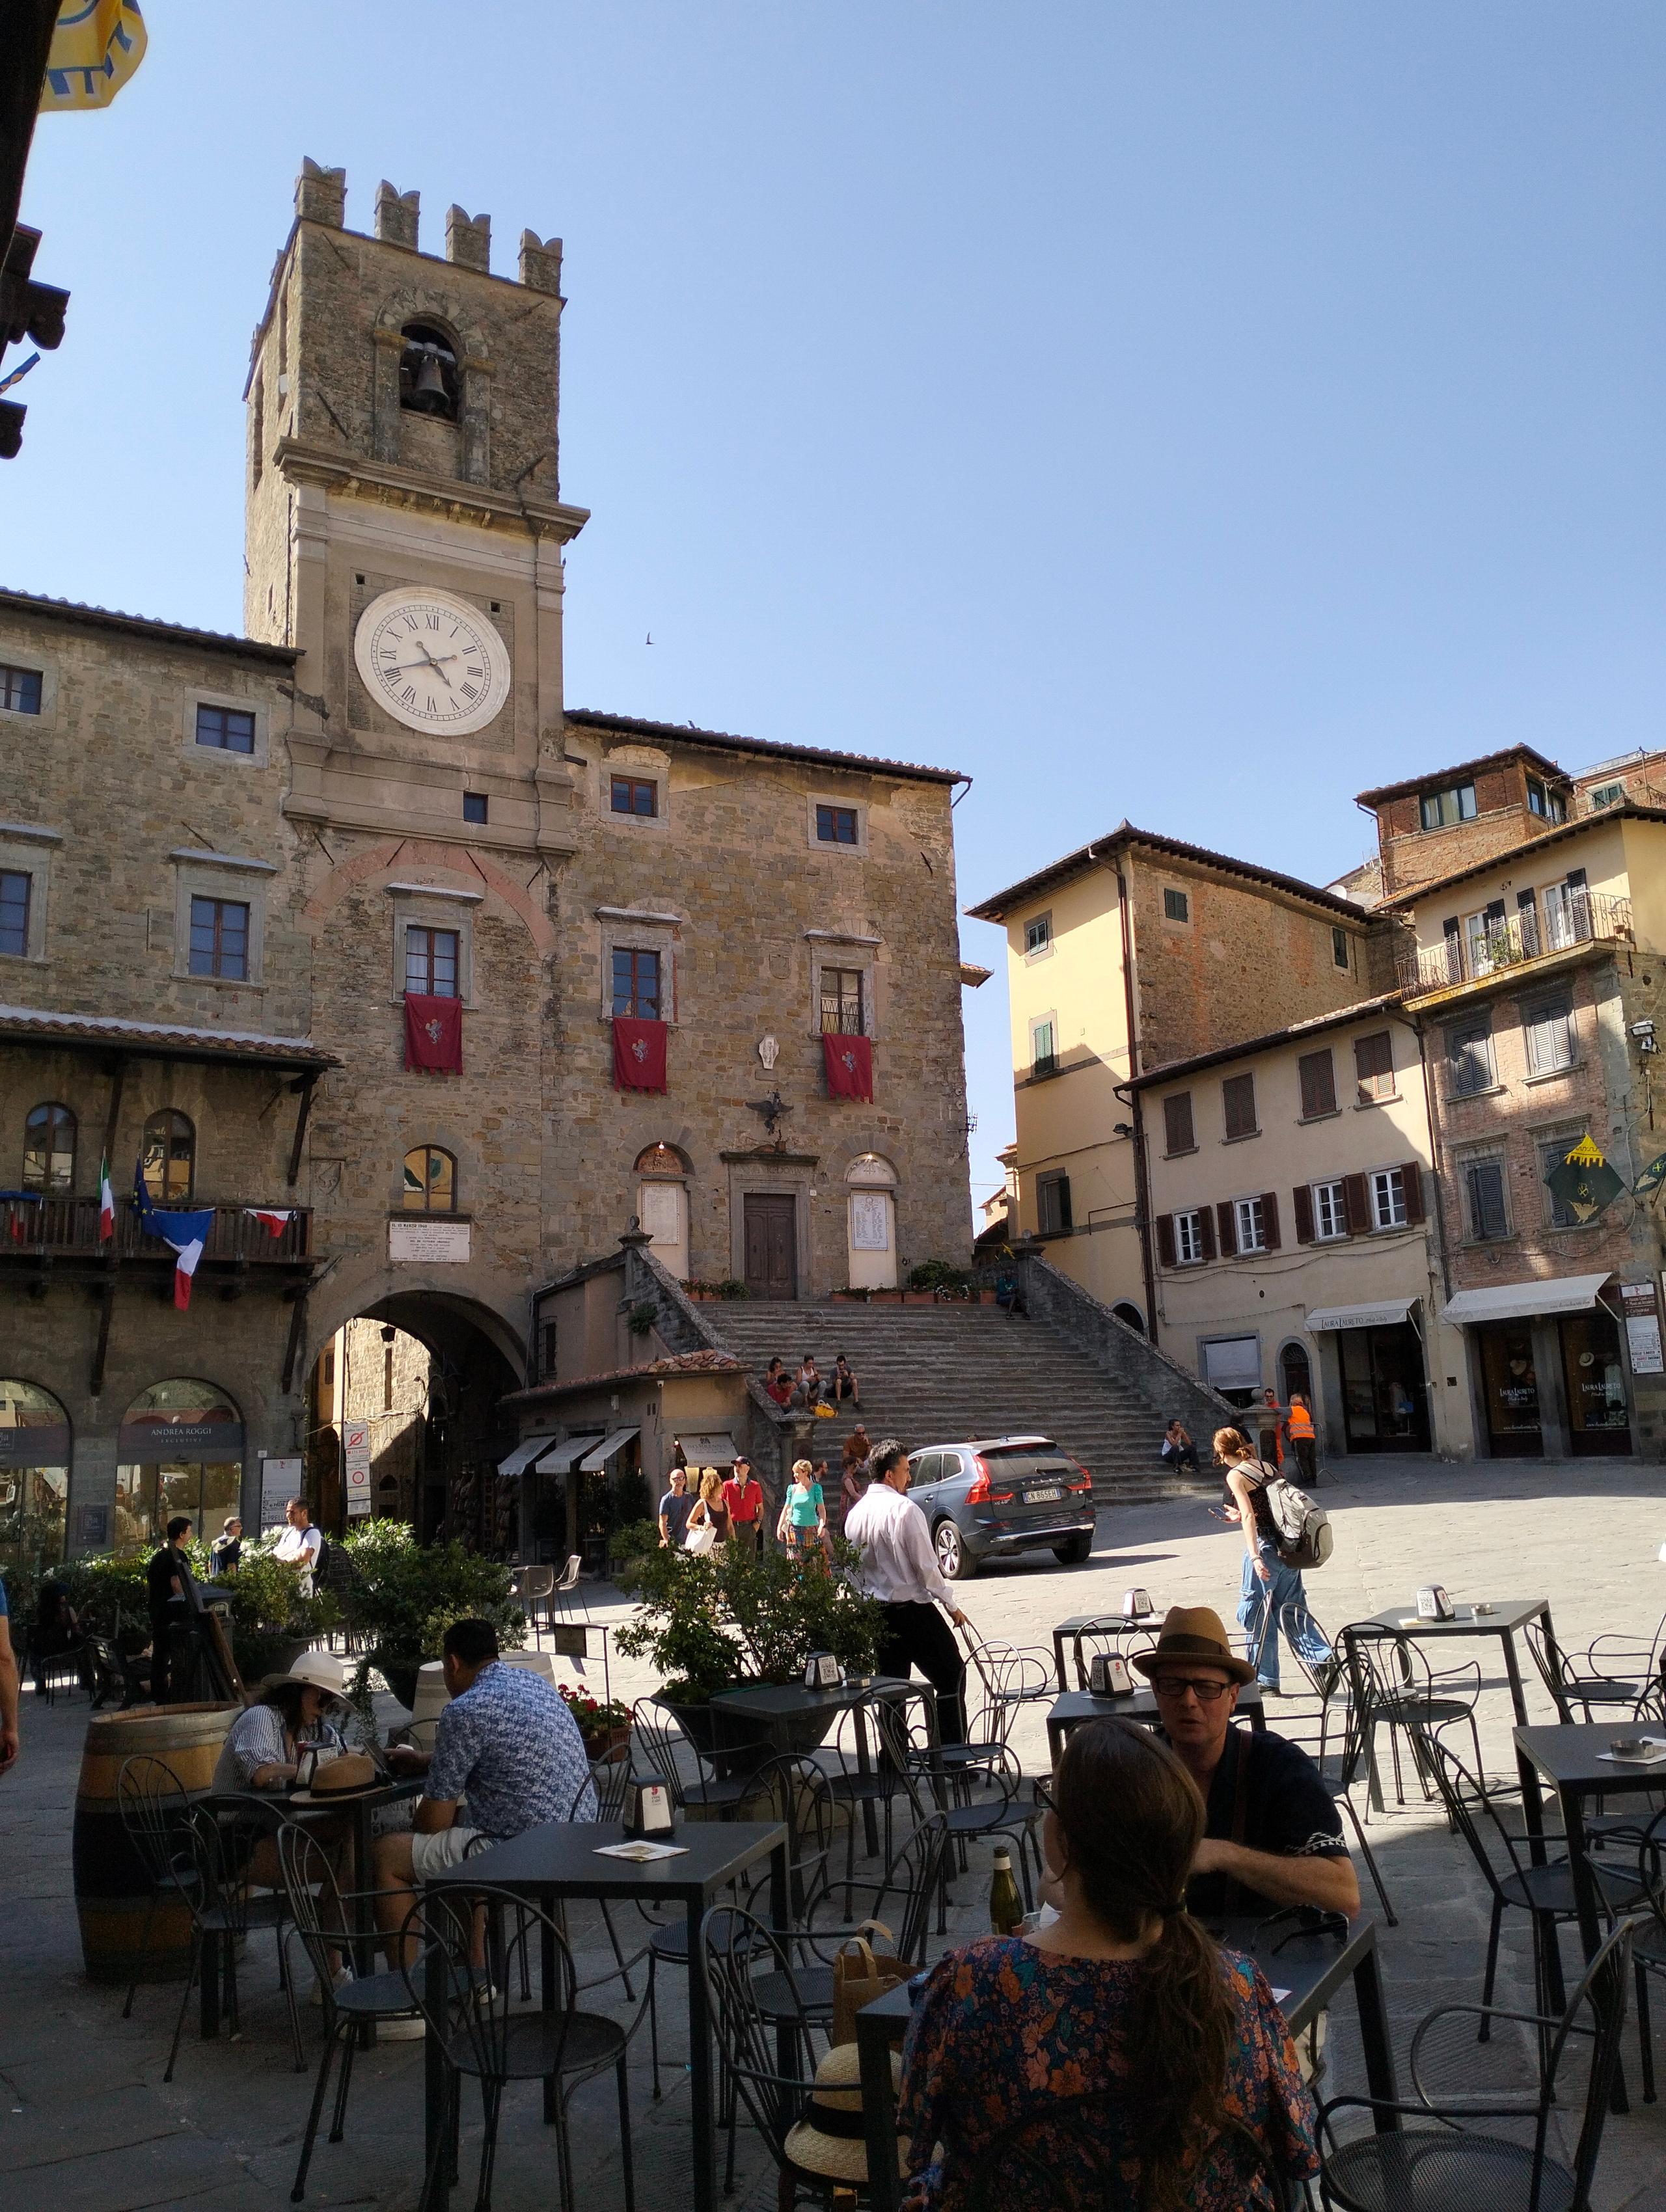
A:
[155,1812]
[1598,1696]
[1649,1937]
[982,1797]
[723,1795]
[484,1941]
[1334,1709]
[317,1906]
[1111,1637]
[736,1951]
[224,1912]
[1452,2163]
[1074,2157]
[1392,1684]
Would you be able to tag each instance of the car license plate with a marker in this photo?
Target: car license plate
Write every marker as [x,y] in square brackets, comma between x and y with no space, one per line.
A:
[1049,1495]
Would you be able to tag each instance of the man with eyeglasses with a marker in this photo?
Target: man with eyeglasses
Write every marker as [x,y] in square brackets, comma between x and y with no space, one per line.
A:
[1273,1837]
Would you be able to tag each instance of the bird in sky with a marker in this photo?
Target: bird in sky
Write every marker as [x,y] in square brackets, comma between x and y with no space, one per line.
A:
[650,637]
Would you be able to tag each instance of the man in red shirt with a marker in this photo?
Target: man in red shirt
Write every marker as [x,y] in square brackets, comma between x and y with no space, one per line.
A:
[743,1494]
[779,1384]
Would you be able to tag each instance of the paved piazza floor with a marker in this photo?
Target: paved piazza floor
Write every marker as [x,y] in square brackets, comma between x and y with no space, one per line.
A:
[90,2127]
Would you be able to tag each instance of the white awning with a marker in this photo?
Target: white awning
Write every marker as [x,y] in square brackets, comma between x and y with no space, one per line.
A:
[710,1451]
[563,1458]
[1383,1315]
[594,1462]
[1517,1301]
[523,1455]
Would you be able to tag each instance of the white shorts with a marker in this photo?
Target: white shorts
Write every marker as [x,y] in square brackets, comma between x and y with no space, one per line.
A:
[433,1854]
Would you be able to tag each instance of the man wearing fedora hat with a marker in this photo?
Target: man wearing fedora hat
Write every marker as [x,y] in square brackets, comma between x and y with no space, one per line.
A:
[1272,1836]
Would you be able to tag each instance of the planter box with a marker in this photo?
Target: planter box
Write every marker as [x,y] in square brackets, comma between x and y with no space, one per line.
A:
[987,1298]
[918,1297]
[745,1744]
[608,1747]
[850,1297]
[885,1298]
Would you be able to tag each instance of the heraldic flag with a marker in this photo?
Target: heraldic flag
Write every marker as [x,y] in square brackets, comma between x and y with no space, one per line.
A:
[639,1054]
[849,1064]
[186,1233]
[434,1033]
[97,47]
[1584,1182]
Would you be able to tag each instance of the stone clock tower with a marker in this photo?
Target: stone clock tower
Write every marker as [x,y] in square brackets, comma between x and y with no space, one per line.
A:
[405,525]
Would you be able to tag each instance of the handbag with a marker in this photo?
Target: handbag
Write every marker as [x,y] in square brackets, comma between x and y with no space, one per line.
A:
[860,1974]
[699,1536]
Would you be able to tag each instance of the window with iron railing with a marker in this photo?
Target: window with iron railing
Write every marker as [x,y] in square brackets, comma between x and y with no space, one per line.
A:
[841,1002]
[1489,940]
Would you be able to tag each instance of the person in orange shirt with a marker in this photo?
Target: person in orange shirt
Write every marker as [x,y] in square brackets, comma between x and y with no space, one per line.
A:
[1299,1432]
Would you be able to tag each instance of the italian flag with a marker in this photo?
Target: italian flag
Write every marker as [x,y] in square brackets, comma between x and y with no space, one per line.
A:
[107,1201]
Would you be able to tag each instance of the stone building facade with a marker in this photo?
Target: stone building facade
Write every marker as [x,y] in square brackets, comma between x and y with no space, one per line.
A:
[271,844]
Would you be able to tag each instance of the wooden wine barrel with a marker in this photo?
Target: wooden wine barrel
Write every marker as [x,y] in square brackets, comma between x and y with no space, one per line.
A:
[112,1890]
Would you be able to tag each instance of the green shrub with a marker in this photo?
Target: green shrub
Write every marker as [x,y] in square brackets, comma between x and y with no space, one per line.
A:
[405,1595]
[705,1620]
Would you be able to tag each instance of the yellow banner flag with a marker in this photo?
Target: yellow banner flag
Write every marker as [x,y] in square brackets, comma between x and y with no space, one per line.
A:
[97,47]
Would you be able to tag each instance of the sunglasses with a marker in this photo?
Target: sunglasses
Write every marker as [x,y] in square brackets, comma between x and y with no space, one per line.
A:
[1176,1686]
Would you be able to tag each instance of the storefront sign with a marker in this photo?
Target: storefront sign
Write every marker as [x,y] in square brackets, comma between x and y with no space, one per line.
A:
[280,1481]
[429,1240]
[356,1461]
[1642,1328]
[207,1442]
[45,1444]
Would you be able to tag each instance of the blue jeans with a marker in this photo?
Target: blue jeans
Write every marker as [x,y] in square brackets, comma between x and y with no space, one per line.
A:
[1285,1589]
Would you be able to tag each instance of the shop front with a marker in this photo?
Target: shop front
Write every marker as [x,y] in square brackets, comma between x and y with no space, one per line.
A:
[1376,1377]
[1549,1368]
[34,1475]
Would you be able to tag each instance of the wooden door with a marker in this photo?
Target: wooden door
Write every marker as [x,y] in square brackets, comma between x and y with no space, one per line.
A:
[772,1259]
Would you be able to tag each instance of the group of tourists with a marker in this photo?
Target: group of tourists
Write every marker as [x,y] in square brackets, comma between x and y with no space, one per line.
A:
[702,1509]
[810,1388]
[1283,1432]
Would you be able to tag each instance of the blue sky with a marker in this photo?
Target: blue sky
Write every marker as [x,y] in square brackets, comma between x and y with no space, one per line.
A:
[1196,413]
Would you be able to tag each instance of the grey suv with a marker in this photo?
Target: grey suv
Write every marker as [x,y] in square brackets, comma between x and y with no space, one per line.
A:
[986,1500]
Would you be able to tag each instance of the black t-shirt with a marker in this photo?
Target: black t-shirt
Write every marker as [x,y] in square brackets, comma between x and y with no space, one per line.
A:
[1287,1812]
[159,1578]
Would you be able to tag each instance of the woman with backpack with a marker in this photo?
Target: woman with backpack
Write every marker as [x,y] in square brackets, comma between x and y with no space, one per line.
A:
[1270,1583]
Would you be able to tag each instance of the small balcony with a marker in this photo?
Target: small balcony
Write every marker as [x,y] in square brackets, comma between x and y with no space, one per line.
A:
[1487,948]
[68,1228]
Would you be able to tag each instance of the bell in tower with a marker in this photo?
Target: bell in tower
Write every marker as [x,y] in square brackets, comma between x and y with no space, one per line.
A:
[428,372]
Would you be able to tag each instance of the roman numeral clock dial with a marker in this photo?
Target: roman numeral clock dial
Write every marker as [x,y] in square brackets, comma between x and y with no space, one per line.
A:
[434,662]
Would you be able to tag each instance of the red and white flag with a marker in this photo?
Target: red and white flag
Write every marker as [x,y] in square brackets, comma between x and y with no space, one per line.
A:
[271,1219]
[107,1201]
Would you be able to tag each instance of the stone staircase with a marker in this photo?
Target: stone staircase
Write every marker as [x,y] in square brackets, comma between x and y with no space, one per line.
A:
[942,1374]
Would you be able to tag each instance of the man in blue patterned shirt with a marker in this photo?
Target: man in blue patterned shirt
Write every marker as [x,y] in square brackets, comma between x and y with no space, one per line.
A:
[507,1745]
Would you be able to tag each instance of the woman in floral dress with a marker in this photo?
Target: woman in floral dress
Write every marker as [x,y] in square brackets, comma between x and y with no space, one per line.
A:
[1124,1998]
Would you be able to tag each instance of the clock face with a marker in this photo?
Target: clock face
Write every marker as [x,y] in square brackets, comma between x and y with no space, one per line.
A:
[434,662]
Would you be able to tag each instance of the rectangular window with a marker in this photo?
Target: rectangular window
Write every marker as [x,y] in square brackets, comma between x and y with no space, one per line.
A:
[19,690]
[1318,1081]
[1373,1066]
[1176,907]
[431,962]
[636,983]
[1043,1059]
[1249,1219]
[1387,1199]
[1441,807]
[1237,1096]
[1567,912]
[1549,804]
[1188,1239]
[476,807]
[1551,1157]
[1548,1029]
[1329,1211]
[14,889]
[1053,1204]
[1338,945]
[220,939]
[1483,1185]
[1607,795]
[226,729]
[837,825]
[1470,1059]
[841,1002]
[1178,1123]
[634,795]
[1037,935]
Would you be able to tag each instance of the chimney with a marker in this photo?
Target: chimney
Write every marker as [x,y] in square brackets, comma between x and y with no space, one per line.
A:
[540,261]
[320,194]
[396,215]
[469,241]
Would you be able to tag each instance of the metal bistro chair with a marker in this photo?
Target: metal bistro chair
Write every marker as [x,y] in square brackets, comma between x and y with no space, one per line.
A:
[154,1814]
[1649,1937]
[529,1587]
[1312,1730]
[606,1786]
[720,1794]
[1111,1637]
[1071,2156]
[1002,1813]
[735,1944]
[1599,1696]
[1426,2168]
[483,2034]
[1393,1685]
[223,1913]
[882,1785]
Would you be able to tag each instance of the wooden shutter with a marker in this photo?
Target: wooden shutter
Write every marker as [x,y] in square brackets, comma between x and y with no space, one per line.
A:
[1177,1122]
[1356,1205]
[1237,1096]
[1269,1219]
[1411,1177]
[1227,1222]
[1303,1196]
[1165,1251]
[1205,1222]
[1318,1080]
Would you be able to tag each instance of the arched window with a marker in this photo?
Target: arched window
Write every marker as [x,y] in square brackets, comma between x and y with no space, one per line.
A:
[430,1180]
[662,1160]
[1125,1310]
[49,1149]
[871,1230]
[169,1158]
[34,1475]
[1295,1372]
[180,1450]
[428,372]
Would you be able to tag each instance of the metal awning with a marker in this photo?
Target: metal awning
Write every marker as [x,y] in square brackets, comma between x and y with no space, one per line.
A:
[523,1454]
[710,1451]
[1383,1314]
[563,1457]
[594,1462]
[1517,1301]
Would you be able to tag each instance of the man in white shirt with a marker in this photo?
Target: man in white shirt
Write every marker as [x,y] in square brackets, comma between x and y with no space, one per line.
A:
[300,1544]
[899,1568]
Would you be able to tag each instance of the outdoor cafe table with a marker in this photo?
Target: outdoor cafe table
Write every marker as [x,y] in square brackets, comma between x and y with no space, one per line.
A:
[1080,1623]
[1306,1972]
[362,1805]
[784,1715]
[1503,1620]
[1076,1706]
[562,1860]
[1568,1757]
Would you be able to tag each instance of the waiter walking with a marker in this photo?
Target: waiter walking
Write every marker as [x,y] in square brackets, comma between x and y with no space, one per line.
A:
[899,1568]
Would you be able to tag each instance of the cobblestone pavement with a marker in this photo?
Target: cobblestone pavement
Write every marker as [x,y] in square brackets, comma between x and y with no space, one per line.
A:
[89,2126]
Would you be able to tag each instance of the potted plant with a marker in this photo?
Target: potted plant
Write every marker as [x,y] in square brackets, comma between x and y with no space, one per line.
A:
[271,1622]
[848,1296]
[404,1595]
[604,1723]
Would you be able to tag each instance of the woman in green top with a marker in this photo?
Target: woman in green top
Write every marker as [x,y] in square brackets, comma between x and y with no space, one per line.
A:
[803,1516]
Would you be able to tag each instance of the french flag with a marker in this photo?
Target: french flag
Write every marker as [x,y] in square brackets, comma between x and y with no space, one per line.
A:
[186,1233]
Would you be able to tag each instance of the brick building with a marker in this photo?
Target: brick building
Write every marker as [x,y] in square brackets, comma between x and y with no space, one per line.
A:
[231,865]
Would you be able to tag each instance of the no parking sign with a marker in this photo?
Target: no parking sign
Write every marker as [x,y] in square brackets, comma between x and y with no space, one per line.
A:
[356,1460]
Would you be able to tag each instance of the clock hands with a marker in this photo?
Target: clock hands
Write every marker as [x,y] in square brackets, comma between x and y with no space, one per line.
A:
[405,667]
